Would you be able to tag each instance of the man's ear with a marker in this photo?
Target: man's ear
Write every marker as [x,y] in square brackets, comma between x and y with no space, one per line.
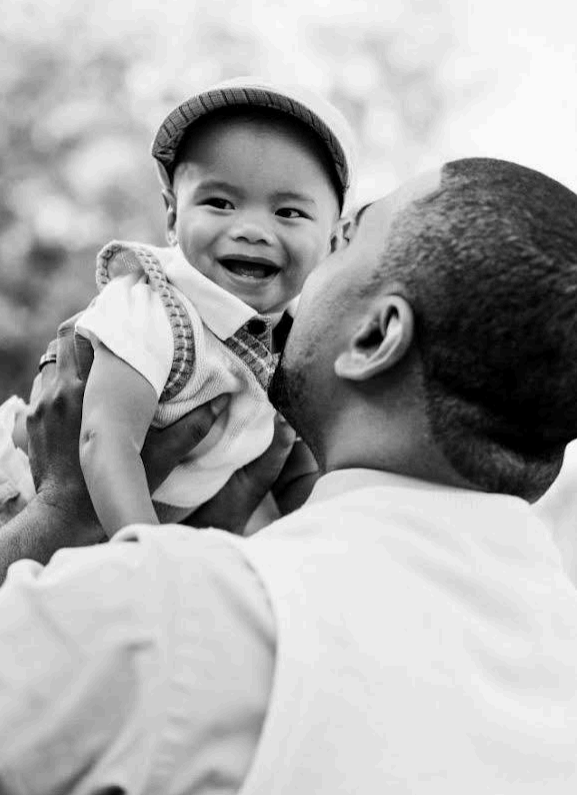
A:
[381,341]
[170,205]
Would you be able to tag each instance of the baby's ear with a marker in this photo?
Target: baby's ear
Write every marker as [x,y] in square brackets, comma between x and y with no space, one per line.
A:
[340,234]
[170,205]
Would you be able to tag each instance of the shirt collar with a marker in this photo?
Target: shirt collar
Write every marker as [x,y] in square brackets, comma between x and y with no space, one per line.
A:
[499,525]
[221,311]
[340,481]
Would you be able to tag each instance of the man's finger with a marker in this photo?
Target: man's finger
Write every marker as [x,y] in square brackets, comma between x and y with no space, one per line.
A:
[36,391]
[257,477]
[84,356]
[165,448]
[66,361]
[268,466]
[234,504]
[191,429]
[47,365]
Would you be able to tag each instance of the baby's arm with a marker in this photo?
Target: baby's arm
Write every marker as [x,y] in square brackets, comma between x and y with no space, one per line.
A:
[119,404]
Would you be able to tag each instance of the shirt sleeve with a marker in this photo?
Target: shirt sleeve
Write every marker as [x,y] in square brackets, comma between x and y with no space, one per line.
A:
[129,318]
[144,664]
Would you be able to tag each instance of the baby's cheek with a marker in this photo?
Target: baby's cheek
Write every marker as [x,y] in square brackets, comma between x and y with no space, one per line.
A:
[307,266]
[318,253]
[307,254]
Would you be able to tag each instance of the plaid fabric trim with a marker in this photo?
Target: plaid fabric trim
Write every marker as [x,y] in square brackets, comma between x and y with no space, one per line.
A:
[254,354]
[121,258]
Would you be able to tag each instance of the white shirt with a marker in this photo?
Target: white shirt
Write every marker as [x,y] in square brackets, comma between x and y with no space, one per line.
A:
[141,665]
[426,644]
[149,665]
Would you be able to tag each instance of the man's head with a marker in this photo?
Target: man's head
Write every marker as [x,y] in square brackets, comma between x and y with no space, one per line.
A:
[442,342]
[255,178]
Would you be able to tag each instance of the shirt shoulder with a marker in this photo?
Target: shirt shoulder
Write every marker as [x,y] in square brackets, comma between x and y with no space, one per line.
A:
[135,652]
[129,317]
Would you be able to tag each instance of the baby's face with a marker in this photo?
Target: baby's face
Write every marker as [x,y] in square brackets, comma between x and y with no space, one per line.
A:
[253,209]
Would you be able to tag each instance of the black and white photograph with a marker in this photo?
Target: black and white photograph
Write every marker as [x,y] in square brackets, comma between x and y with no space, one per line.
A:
[288,397]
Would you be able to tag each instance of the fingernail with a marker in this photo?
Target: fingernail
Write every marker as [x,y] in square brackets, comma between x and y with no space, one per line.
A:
[218,404]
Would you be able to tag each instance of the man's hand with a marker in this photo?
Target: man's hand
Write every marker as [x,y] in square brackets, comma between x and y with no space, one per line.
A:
[164,448]
[297,479]
[53,430]
[234,504]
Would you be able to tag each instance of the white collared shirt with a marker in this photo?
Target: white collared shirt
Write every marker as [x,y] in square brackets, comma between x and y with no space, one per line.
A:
[148,663]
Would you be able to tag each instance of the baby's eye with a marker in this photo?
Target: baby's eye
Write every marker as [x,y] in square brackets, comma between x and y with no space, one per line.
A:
[291,212]
[218,202]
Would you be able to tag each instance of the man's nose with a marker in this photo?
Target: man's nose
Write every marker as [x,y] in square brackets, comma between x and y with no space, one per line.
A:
[252,228]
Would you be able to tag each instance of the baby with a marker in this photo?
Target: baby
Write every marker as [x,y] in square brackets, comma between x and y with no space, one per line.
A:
[254,179]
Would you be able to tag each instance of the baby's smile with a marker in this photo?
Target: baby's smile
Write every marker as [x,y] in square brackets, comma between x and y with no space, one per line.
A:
[249,267]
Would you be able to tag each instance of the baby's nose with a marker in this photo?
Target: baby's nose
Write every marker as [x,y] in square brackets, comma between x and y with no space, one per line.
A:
[252,229]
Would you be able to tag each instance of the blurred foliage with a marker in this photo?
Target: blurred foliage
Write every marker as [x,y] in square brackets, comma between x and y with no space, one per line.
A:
[84,87]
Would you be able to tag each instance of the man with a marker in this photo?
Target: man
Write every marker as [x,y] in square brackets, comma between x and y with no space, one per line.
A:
[411,628]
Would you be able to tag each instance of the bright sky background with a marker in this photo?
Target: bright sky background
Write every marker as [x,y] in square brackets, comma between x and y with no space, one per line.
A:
[510,79]
[423,81]
[509,70]
[510,74]
[525,57]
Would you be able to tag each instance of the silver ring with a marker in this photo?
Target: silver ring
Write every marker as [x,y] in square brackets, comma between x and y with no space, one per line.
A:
[46,358]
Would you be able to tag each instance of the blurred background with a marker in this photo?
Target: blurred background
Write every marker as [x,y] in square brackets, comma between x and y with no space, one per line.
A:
[85,84]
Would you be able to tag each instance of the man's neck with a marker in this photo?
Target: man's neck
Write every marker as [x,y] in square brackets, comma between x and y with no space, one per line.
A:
[405,449]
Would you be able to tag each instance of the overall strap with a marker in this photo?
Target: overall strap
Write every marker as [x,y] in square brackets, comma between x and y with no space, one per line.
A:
[118,259]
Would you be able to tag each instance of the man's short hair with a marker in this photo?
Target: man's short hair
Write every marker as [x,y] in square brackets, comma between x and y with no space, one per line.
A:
[489,262]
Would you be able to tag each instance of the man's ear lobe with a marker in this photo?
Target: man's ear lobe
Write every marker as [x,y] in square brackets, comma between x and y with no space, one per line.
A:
[382,340]
[170,205]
